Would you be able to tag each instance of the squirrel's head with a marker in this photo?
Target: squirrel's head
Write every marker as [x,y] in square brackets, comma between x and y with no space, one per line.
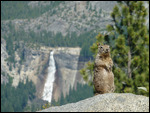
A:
[104,49]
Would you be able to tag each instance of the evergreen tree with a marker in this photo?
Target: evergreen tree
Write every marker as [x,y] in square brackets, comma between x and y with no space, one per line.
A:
[23,92]
[129,39]
[75,8]
[87,4]
[82,91]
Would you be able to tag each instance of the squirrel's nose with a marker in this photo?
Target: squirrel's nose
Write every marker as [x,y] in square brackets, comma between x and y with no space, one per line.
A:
[107,50]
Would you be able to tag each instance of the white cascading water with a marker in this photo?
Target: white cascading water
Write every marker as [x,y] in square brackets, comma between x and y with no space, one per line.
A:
[48,88]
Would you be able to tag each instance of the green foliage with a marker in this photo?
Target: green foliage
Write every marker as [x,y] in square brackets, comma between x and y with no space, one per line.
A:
[130,48]
[131,41]
[22,10]
[75,8]
[87,4]
[47,105]
[75,95]
[10,49]
[87,73]
[15,99]
[45,38]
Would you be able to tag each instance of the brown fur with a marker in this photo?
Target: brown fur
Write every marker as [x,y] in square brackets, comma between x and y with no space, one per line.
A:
[103,75]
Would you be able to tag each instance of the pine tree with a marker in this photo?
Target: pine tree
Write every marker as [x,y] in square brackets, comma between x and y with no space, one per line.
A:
[129,39]
[131,50]
[75,8]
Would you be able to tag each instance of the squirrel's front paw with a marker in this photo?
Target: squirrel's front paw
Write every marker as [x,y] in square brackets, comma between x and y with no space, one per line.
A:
[109,68]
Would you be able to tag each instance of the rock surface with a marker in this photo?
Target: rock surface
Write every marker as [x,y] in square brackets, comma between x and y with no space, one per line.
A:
[4,55]
[110,102]
[66,60]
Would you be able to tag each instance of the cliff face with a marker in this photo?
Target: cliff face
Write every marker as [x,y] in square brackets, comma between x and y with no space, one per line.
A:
[35,64]
[110,102]
[4,55]
[66,70]
[33,67]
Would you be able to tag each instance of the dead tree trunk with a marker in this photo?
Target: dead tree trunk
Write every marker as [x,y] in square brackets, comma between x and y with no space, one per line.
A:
[129,64]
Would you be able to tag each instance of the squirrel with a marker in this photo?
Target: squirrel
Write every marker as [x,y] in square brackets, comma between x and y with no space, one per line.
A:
[103,75]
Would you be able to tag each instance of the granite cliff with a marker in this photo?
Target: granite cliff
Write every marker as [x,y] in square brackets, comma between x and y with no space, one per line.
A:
[35,64]
[66,70]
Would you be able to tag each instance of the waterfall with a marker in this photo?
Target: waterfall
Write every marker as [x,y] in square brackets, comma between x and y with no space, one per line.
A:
[48,88]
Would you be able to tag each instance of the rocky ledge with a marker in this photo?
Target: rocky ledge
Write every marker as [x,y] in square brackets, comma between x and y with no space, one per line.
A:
[111,102]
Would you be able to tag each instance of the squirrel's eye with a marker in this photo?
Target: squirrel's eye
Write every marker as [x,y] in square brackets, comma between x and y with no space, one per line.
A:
[101,47]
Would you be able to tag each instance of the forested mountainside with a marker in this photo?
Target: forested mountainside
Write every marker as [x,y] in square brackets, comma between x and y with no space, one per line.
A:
[70,23]
[30,30]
